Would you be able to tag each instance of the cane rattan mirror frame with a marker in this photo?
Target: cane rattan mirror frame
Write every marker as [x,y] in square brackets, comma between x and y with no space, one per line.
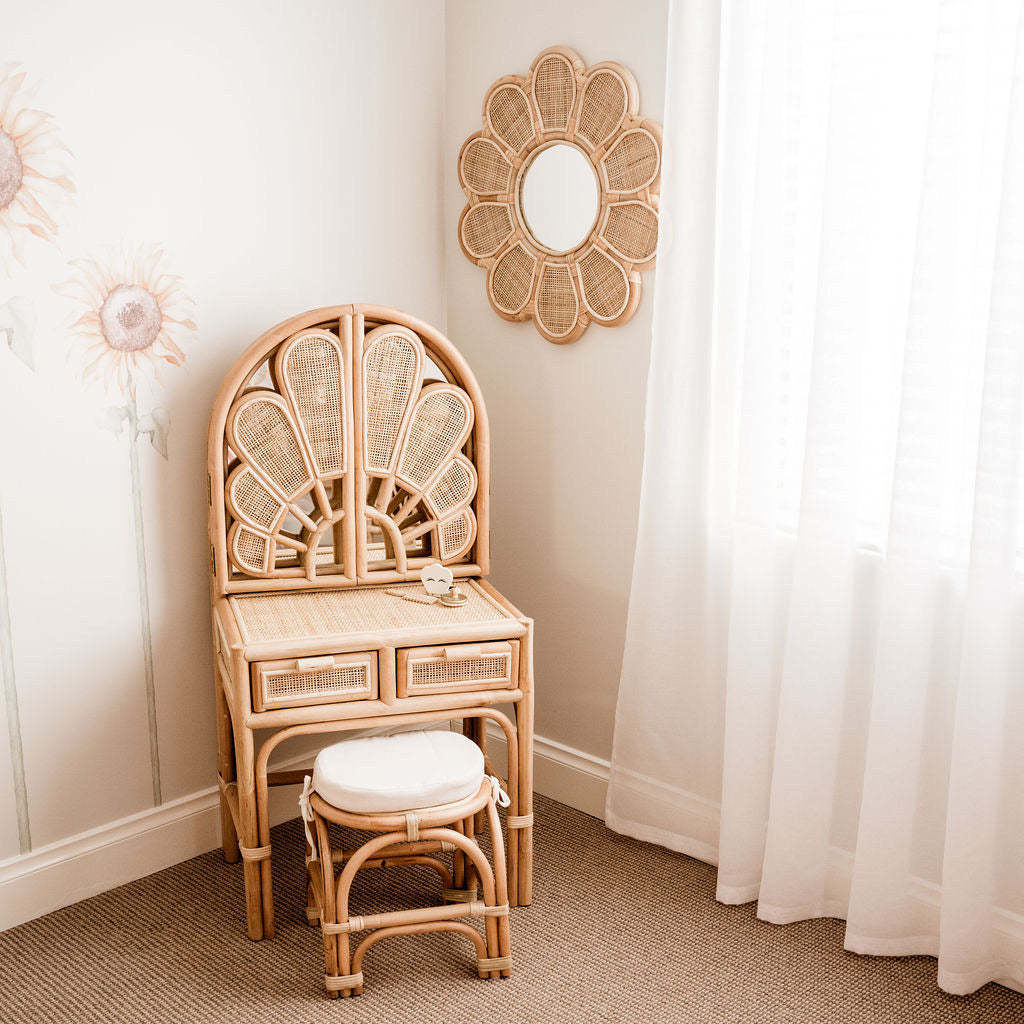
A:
[596,110]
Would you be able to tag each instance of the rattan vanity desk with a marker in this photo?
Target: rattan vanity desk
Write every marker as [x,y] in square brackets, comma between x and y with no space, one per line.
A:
[348,448]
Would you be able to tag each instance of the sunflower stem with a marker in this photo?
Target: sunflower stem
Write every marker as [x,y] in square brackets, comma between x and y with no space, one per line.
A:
[145,625]
[11,703]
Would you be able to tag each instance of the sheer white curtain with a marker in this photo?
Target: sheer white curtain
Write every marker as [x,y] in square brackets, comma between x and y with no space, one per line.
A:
[823,682]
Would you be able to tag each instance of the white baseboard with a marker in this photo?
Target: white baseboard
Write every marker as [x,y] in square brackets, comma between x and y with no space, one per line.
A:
[563,773]
[103,858]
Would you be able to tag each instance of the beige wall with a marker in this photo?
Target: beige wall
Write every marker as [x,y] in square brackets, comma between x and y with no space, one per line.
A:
[567,421]
[286,157]
[277,184]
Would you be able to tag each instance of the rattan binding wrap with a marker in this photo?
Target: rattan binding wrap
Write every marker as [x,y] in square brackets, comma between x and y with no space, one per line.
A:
[596,110]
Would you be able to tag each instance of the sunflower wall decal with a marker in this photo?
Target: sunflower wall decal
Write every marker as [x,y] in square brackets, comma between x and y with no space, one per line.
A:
[562,102]
[34,184]
[34,178]
[135,316]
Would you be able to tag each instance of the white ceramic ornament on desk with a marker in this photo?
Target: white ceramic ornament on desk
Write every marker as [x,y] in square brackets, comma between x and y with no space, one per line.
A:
[437,579]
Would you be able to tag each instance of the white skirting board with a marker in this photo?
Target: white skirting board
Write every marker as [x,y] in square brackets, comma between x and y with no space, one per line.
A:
[103,858]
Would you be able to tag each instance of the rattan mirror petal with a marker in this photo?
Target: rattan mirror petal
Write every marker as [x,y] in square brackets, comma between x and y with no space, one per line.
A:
[594,111]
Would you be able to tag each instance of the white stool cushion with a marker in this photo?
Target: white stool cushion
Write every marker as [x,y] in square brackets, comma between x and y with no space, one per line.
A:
[404,772]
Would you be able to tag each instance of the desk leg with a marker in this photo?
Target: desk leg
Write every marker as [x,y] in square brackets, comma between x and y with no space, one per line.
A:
[524,734]
[250,829]
[226,767]
[266,876]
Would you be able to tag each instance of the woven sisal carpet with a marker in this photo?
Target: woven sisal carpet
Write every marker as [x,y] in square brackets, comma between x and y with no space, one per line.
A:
[620,931]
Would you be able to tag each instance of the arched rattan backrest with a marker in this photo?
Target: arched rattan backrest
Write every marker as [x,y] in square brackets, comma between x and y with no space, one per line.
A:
[348,446]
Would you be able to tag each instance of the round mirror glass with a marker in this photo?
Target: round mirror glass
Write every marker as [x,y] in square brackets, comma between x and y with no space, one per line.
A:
[559,198]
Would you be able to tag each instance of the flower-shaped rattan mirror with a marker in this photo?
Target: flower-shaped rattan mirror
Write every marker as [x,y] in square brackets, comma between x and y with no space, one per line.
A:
[563,195]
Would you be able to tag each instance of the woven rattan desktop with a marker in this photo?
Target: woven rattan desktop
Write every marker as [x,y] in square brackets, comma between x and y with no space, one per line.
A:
[348,447]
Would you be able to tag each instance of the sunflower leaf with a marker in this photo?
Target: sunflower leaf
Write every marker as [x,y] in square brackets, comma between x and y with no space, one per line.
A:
[17,328]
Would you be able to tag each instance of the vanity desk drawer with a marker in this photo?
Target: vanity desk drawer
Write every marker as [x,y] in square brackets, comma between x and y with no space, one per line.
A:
[326,679]
[458,667]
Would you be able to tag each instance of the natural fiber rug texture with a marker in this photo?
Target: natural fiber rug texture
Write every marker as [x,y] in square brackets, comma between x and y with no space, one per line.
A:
[620,931]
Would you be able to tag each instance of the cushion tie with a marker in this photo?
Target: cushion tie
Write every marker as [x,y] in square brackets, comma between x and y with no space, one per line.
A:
[307,813]
[498,795]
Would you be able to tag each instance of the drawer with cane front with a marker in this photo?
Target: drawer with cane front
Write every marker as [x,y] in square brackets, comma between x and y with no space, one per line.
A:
[458,667]
[325,679]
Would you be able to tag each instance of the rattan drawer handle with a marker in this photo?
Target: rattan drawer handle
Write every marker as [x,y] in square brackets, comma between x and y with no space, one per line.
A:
[310,664]
[463,651]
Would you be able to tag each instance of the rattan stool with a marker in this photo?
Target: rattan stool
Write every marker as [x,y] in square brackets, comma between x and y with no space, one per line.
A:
[409,836]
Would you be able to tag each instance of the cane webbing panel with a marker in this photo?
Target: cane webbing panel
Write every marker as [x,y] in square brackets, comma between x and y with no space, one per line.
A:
[632,230]
[603,107]
[351,682]
[604,284]
[249,550]
[437,673]
[438,425]
[313,378]
[556,300]
[453,488]
[512,279]
[508,112]
[554,87]
[392,367]
[299,616]
[485,227]
[485,169]
[266,437]
[250,499]
[455,535]
[632,163]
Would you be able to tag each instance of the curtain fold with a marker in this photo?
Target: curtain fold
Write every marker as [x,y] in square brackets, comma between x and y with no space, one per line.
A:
[823,681]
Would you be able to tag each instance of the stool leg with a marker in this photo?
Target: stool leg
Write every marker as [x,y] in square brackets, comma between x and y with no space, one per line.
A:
[250,830]
[327,915]
[469,831]
[500,882]
[458,861]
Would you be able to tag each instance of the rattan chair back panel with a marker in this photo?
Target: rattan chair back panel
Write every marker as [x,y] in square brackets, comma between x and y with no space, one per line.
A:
[332,462]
